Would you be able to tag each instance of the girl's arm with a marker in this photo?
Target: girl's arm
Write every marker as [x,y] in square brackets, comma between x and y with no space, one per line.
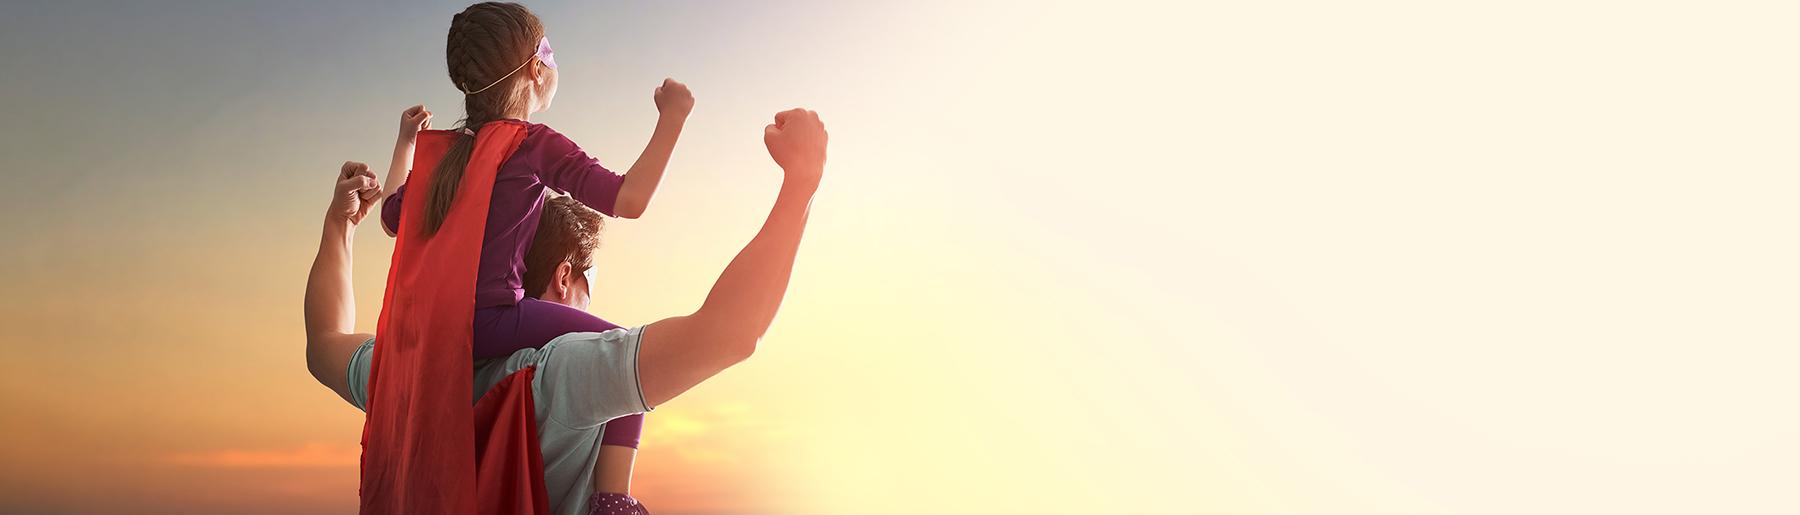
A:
[673,102]
[412,120]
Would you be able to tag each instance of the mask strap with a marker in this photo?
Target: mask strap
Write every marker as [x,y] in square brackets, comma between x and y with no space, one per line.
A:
[502,77]
[543,48]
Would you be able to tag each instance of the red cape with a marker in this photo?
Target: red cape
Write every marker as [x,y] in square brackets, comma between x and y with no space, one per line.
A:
[425,448]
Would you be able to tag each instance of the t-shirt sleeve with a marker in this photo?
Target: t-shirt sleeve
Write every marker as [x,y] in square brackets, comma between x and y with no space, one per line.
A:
[587,379]
[390,209]
[358,374]
[566,168]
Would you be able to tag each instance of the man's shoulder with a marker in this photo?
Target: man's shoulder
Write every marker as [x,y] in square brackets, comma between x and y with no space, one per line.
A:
[356,374]
[587,343]
[588,378]
[578,362]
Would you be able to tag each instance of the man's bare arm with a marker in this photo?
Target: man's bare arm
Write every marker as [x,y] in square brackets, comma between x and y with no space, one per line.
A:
[330,305]
[678,353]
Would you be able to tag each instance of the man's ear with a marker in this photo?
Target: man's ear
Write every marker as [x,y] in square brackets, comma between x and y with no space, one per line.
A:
[559,281]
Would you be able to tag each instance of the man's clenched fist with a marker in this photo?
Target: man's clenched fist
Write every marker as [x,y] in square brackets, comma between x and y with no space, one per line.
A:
[357,190]
[797,142]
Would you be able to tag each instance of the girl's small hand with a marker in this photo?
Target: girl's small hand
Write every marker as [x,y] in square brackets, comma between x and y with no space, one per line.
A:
[673,99]
[413,120]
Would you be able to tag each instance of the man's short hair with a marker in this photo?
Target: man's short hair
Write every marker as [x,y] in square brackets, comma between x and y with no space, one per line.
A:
[567,231]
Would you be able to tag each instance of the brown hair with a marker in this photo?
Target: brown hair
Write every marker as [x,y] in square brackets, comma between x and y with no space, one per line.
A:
[567,231]
[486,41]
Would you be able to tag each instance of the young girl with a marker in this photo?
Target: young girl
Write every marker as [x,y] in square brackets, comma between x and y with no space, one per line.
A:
[498,56]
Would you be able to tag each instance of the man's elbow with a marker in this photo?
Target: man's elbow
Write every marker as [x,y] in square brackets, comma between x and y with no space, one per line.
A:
[628,209]
[730,336]
[741,349]
[315,362]
[321,349]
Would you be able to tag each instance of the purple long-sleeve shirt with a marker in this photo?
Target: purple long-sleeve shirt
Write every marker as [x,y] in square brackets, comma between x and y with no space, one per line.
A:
[544,159]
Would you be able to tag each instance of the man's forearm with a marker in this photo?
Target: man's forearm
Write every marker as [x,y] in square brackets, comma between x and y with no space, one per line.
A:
[646,173]
[744,300]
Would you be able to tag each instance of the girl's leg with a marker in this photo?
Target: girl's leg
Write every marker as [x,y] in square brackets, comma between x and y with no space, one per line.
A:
[618,454]
[623,431]
[503,330]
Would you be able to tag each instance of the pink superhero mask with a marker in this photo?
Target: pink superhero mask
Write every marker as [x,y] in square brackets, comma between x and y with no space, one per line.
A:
[544,54]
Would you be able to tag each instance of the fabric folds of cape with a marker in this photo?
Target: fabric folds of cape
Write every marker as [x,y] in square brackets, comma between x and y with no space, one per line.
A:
[426,447]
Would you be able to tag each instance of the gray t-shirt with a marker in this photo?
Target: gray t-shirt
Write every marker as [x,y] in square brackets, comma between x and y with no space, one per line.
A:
[583,380]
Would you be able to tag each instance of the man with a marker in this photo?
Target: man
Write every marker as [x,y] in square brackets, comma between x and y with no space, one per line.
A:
[586,379]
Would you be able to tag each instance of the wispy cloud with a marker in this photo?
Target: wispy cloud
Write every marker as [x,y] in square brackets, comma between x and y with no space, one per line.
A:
[311,455]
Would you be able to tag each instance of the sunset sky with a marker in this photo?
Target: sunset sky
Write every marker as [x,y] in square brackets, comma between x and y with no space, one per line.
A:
[1069,257]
